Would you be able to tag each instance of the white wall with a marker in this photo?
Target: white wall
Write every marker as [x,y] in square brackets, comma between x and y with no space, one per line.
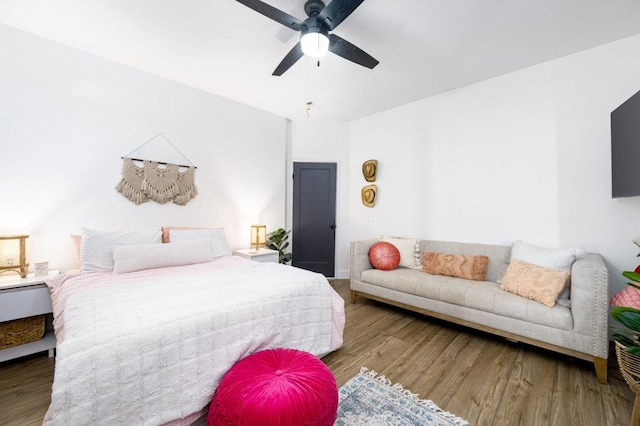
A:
[66,118]
[326,142]
[522,156]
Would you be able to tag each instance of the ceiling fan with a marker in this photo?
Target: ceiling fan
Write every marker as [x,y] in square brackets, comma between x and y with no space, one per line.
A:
[315,39]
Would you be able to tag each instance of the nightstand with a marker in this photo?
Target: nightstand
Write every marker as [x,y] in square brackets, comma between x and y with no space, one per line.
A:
[22,298]
[262,255]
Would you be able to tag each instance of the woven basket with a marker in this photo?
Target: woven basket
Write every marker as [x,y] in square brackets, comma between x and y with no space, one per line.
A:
[21,331]
[629,365]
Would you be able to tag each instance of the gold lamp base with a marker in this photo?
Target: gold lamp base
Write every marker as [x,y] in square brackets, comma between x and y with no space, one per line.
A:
[22,270]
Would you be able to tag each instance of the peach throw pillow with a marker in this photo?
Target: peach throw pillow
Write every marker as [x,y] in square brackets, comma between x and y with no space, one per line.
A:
[534,282]
[456,265]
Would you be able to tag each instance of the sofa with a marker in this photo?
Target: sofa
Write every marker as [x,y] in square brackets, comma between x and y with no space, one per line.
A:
[579,330]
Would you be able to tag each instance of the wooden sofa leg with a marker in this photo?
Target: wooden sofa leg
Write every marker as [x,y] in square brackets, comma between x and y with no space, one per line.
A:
[353,296]
[601,369]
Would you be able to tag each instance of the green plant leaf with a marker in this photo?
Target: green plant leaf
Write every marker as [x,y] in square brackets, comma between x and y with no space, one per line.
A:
[634,285]
[633,276]
[623,339]
[633,350]
[277,240]
[629,317]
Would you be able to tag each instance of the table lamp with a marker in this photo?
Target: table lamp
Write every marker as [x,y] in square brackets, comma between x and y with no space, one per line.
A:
[258,236]
[13,254]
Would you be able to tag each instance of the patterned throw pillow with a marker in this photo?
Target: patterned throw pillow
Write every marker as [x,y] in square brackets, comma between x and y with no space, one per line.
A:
[534,282]
[456,265]
[384,256]
[561,259]
[96,250]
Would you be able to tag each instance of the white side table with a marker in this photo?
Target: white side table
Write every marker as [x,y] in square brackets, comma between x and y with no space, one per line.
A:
[22,298]
[262,255]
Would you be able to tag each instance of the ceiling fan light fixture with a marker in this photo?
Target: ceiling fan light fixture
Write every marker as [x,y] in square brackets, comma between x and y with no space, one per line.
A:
[314,43]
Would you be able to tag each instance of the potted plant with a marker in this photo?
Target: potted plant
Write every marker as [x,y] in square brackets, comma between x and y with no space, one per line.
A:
[626,339]
[278,240]
[629,317]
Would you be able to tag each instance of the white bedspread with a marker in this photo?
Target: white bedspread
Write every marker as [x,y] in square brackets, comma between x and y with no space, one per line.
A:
[150,347]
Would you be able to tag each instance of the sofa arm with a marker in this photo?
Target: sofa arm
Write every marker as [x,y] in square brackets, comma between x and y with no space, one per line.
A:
[360,257]
[590,301]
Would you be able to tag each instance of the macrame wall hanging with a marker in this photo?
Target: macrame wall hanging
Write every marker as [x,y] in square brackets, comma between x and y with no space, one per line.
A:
[158,181]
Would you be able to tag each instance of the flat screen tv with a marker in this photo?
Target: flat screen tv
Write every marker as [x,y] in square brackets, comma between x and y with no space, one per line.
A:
[625,148]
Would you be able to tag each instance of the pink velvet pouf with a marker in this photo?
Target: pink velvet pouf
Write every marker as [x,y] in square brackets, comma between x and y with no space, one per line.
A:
[276,387]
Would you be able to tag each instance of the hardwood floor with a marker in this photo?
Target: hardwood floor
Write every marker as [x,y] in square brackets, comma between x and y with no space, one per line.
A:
[484,379]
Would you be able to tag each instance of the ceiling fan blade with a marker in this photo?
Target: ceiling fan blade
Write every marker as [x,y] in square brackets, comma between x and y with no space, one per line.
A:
[342,47]
[273,13]
[291,58]
[337,11]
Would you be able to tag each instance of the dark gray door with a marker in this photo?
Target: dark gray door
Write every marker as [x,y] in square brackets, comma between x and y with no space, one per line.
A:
[314,217]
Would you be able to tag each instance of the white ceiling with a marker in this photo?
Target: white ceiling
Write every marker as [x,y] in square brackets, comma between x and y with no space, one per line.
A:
[424,47]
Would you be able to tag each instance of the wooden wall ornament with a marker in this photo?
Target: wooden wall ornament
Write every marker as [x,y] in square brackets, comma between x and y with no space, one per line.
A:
[369,194]
[369,170]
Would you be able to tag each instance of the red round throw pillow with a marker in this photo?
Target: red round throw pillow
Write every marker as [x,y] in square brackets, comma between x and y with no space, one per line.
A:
[384,256]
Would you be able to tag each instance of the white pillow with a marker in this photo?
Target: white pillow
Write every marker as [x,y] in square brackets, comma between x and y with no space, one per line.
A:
[149,256]
[96,250]
[561,259]
[216,237]
[408,247]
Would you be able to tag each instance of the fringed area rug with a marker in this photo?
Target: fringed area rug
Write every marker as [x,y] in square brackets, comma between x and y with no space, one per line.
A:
[371,400]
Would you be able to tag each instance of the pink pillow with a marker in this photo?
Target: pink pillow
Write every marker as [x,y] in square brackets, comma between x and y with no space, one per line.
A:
[77,243]
[628,296]
[384,256]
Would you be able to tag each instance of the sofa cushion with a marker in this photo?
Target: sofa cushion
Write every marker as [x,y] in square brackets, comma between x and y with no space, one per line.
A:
[456,265]
[384,256]
[499,256]
[561,259]
[480,295]
[409,250]
[538,283]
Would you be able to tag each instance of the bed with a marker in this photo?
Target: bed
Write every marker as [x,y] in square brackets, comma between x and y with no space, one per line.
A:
[149,346]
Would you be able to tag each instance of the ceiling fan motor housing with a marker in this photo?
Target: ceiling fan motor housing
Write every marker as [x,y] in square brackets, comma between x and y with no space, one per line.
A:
[312,25]
[313,7]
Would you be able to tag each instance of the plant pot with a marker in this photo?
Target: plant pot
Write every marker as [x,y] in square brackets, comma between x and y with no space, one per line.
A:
[629,365]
